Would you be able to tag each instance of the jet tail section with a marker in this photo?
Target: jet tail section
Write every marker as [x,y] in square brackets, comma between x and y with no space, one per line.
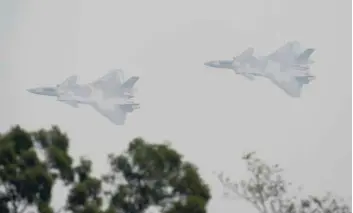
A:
[304,57]
[129,107]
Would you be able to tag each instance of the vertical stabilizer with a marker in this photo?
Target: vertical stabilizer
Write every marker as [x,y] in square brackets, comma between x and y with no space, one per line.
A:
[129,84]
[304,56]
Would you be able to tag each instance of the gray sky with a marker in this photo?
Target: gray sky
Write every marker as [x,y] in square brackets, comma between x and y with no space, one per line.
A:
[166,44]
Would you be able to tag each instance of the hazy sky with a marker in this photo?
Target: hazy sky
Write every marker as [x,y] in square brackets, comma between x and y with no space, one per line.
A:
[212,116]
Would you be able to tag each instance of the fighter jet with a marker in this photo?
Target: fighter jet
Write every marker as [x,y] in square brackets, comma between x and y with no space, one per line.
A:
[289,56]
[109,95]
[290,75]
[244,64]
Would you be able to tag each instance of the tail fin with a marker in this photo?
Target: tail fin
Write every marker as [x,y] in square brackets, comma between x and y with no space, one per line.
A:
[129,84]
[304,56]
[245,55]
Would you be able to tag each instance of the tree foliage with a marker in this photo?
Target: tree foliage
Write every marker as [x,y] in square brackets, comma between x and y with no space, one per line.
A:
[25,178]
[154,175]
[145,175]
[85,195]
[268,192]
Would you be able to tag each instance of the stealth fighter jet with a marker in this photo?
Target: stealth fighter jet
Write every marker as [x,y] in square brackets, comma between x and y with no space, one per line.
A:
[290,75]
[109,95]
[289,56]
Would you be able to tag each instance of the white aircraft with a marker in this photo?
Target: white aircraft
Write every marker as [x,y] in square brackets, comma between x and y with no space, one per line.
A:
[289,56]
[291,74]
[109,95]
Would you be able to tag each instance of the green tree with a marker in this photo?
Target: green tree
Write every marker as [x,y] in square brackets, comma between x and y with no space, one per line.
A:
[25,178]
[85,196]
[268,192]
[147,175]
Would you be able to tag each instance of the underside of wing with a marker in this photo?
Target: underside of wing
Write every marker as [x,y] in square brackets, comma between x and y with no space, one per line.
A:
[248,76]
[71,103]
[115,114]
[283,67]
[291,86]
[288,81]
[249,70]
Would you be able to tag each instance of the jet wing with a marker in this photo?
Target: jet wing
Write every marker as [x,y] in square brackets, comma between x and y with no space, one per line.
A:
[112,77]
[109,83]
[287,51]
[283,66]
[249,70]
[290,85]
[248,76]
[71,103]
[289,82]
[115,113]
[245,71]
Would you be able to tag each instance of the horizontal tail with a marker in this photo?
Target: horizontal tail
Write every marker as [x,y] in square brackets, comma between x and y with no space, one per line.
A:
[129,107]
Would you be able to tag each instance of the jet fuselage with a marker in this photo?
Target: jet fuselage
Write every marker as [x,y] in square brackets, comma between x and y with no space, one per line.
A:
[228,64]
[233,65]
[110,95]
[87,94]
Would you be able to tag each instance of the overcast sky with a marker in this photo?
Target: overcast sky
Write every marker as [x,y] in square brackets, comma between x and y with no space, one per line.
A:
[212,116]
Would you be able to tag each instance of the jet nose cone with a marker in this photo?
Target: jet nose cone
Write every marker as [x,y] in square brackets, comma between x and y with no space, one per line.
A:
[49,91]
[214,64]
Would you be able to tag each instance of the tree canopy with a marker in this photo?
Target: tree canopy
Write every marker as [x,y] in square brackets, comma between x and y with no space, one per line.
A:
[269,192]
[145,175]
